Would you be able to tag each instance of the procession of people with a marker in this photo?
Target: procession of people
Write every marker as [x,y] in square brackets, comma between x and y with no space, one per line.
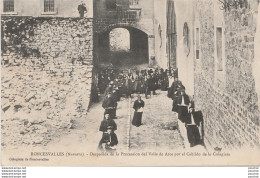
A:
[114,84]
[185,107]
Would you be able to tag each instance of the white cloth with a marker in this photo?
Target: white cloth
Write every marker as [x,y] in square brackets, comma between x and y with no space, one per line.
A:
[140,109]
[171,80]
[192,120]
[182,101]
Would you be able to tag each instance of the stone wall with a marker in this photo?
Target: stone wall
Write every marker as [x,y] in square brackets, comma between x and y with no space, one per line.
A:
[46,77]
[139,17]
[227,98]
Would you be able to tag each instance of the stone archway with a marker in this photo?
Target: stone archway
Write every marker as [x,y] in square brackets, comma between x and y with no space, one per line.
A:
[138,53]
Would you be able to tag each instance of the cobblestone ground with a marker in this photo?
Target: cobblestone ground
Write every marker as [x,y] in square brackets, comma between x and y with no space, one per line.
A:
[159,129]
[158,132]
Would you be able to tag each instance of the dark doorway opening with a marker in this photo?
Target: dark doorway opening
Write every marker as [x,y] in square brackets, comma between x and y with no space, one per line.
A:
[121,47]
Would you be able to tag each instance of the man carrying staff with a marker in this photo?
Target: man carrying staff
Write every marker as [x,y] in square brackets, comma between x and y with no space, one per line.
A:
[138,107]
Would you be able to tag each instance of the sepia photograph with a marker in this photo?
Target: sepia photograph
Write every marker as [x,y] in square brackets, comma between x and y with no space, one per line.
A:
[130,82]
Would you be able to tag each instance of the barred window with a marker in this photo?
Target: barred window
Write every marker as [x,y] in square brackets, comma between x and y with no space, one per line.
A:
[48,5]
[8,5]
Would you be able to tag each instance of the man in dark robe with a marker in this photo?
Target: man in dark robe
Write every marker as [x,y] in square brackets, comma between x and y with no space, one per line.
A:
[137,83]
[115,99]
[129,84]
[149,86]
[109,88]
[192,123]
[82,9]
[153,80]
[108,141]
[173,89]
[107,122]
[183,102]
[174,92]
[138,107]
[109,104]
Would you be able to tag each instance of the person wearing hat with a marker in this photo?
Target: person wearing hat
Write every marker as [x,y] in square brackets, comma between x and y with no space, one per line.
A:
[108,141]
[107,122]
[138,107]
[192,123]
[109,104]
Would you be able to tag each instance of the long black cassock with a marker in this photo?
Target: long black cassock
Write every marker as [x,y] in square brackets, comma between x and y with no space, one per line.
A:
[193,121]
[182,107]
[109,139]
[137,119]
[109,104]
[106,123]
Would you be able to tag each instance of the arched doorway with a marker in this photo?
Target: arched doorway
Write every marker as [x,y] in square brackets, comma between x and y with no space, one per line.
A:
[122,46]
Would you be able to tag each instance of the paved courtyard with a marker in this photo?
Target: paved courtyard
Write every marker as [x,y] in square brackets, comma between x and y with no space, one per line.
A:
[159,129]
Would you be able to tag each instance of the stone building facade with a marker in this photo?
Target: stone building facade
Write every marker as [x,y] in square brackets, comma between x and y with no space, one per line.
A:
[218,70]
[46,8]
[135,16]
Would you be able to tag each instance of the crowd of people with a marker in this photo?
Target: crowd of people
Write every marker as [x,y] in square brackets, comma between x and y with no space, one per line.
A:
[139,81]
[115,84]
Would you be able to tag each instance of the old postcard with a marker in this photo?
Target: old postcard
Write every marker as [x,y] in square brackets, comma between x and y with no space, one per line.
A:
[130,82]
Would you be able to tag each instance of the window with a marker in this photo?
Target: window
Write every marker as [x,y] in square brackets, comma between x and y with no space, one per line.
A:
[48,5]
[8,5]
[134,2]
[111,4]
[197,43]
[186,39]
[219,49]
